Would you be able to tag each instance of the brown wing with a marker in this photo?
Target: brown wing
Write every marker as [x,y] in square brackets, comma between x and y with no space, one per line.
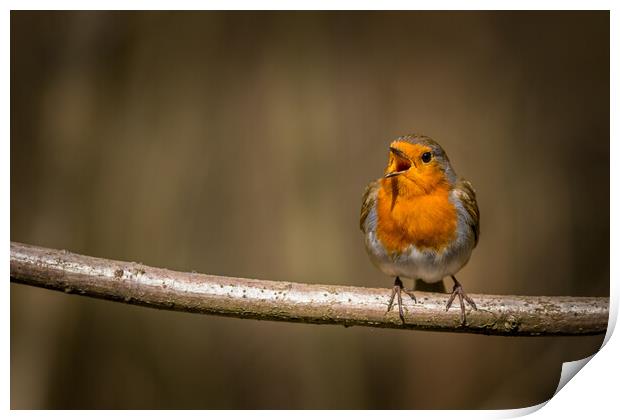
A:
[465,191]
[370,197]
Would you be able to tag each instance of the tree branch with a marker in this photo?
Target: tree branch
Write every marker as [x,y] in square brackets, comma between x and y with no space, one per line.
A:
[138,284]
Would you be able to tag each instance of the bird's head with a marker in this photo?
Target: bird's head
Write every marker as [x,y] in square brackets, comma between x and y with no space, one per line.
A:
[418,165]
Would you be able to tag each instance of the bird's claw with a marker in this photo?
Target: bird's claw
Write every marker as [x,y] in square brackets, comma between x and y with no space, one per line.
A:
[397,292]
[457,290]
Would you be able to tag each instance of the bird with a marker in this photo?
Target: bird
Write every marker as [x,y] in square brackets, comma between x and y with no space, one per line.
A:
[419,220]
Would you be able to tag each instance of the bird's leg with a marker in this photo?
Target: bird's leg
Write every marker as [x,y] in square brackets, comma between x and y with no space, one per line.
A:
[411,295]
[457,290]
[396,291]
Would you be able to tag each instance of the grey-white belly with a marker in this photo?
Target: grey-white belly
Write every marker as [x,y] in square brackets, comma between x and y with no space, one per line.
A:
[414,263]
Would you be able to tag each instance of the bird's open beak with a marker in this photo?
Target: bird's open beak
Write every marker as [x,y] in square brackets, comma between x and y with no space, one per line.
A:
[399,153]
[404,163]
[391,174]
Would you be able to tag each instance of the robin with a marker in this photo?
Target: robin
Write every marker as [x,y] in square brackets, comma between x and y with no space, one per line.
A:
[420,221]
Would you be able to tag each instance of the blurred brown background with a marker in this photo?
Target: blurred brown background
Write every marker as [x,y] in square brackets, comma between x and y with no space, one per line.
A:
[241,143]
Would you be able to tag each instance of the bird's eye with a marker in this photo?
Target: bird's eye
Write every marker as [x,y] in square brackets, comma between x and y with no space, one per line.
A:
[426,157]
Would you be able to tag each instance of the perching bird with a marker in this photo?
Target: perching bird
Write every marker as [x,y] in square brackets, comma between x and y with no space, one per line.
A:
[420,221]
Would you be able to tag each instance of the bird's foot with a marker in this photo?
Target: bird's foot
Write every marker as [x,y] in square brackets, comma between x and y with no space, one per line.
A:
[457,290]
[397,292]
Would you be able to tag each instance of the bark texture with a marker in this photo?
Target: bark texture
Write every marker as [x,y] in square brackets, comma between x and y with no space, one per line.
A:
[137,284]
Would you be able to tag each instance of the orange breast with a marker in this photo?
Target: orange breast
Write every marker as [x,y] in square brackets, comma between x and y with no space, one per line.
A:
[427,221]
